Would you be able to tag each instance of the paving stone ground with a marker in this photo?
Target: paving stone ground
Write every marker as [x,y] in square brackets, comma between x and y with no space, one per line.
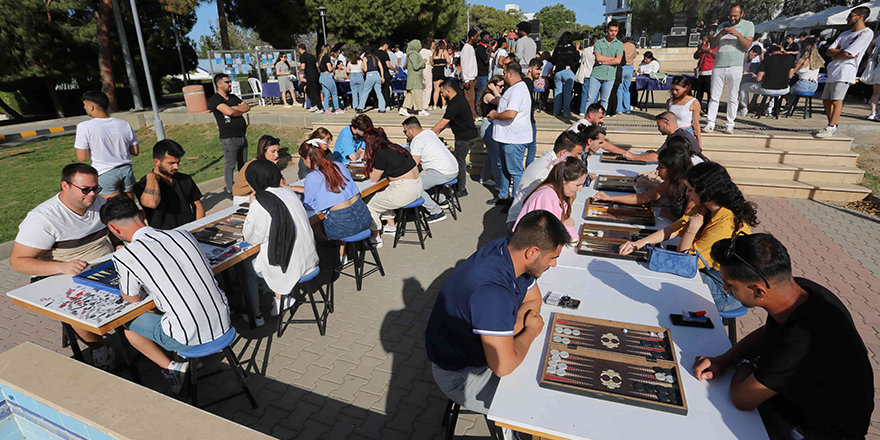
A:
[369,376]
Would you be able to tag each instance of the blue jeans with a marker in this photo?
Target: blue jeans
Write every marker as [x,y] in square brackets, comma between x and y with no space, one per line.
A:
[478,89]
[348,221]
[357,89]
[724,301]
[532,148]
[253,282]
[599,91]
[492,166]
[511,167]
[149,325]
[372,82]
[564,81]
[804,87]
[624,101]
[328,88]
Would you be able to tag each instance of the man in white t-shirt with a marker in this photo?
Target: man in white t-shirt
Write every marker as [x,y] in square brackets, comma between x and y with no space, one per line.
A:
[110,143]
[62,234]
[439,166]
[512,128]
[846,53]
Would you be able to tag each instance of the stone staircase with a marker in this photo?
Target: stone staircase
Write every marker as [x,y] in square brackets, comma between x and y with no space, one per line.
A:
[673,60]
[773,165]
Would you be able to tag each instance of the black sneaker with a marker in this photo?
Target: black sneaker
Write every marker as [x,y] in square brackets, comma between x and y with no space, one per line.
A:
[434,218]
[498,201]
[461,193]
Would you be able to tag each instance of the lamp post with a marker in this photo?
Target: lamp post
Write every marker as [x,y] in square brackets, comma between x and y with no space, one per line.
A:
[323,11]
[157,123]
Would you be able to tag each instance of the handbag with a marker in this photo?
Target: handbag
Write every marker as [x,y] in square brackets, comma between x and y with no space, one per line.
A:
[870,76]
[683,264]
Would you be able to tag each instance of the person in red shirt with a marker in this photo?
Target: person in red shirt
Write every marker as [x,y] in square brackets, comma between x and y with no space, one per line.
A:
[706,62]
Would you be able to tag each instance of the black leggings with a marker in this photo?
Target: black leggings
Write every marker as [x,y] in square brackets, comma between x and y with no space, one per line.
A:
[704,85]
[313,91]
[386,91]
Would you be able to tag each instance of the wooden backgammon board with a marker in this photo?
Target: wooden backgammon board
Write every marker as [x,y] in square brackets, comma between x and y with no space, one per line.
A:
[620,362]
[224,232]
[358,171]
[616,183]
[614,212]
[605,241]
[618,158]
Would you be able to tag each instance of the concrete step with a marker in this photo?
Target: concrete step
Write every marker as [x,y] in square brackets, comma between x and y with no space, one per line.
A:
[780,171]
[780,156]
[830,192]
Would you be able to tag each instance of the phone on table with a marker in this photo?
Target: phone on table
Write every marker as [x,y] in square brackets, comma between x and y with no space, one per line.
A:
[561,300]
[677,319]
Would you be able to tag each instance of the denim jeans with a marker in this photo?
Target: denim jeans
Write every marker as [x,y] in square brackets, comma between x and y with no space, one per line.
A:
[532,148]
[357,89]
[328,88]
[511,167]
[235,152]
[804,87]
[348,221]
[564,81]
[724,301]
[599,91]
[492,166]
[624,100]
[481,84]
[149,325]
[372,82]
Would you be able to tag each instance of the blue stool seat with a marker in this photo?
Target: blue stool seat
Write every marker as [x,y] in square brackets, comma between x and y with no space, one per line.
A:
[419,202]
[451,182]
[363,235]
[210,348]
[728,318]
[311,275]
[735,313]
[805,94]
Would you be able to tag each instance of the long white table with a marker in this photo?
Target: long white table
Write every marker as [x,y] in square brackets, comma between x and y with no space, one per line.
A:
[625,291]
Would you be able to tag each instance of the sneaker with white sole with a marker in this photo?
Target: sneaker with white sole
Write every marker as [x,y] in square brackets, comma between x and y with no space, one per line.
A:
[728,130]
[176,375]
[424,113]
[339,112]
[278,306]
[389,230]
[104,358]
[709,128]
[743,111]
[288,106]
[873,117]
[827,132]
[376,242]
[444,204]
[259,321]
[403,112]
[488,182]
[434,218]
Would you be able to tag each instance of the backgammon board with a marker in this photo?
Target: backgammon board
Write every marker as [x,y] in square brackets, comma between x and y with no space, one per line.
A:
[101,277]
[614,212]
[618,158]
[626,363]
[358,171]
[222,233]
[616,183]
[605,241]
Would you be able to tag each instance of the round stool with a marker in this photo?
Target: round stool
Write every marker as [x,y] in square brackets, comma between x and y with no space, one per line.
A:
[413,212]
[728,318]
[448,191]
[356,246]
[305,285]
[776,99]
[222,343]
[808,104]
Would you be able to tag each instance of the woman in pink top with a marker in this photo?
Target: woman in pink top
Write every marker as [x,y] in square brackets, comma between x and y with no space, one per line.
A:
[558,191]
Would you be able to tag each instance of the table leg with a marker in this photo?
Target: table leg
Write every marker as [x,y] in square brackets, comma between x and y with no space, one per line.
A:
[129,360]
[73,340]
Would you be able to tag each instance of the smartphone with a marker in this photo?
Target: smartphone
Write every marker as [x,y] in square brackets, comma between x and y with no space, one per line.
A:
[561,300]
[677,320]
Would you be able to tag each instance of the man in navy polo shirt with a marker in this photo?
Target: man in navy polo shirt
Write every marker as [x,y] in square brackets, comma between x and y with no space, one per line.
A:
[489,311]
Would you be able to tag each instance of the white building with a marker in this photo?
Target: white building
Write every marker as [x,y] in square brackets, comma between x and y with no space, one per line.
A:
[515,8]
[619,10]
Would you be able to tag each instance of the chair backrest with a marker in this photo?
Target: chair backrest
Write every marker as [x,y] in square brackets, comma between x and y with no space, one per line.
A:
[256,87]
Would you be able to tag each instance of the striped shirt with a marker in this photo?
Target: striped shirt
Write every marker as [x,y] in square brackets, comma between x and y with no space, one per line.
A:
[170,266]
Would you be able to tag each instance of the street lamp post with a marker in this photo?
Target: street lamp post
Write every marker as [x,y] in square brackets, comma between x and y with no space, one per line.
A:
[323,11]
[160,131]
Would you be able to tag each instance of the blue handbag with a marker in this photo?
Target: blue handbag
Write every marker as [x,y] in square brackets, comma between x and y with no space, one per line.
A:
[677,263]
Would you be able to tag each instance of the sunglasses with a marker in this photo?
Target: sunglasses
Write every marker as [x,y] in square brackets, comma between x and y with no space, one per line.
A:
[86,190]
[731,252]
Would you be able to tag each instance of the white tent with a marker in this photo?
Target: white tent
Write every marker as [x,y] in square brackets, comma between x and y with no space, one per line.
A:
[781,23]
[840,17]
[819,19]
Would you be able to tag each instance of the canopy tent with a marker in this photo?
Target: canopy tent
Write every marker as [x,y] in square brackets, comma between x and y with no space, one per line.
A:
[834,16]
[781,23]
[840,17]
[819,19]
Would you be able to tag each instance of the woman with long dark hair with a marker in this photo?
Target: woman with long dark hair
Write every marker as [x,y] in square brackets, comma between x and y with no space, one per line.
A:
[674,163]
[321,138]
[267,148]
[807,69]
[489,101]
[372,81]
[355,71]
[684,106]
[720,211]
[439,61]
[558,191]
[565,60]
[285,81]
[328,85]
[385,159]
[277,221]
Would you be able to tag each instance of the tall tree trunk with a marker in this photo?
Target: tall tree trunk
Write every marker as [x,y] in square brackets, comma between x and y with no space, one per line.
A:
[56,101]
[105,52]
[221,22]
[9,110]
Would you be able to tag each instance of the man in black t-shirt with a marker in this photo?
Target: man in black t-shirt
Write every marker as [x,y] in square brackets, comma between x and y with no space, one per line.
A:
[228,110]
[169,198]
[390,70]
[459,117]
[309,66]
[773,75]
[806,370]
[791,46]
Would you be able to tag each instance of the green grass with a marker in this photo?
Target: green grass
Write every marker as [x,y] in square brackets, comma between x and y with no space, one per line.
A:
[869,162]
[32,172]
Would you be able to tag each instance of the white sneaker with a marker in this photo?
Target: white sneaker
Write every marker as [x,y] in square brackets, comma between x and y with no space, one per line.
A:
[284,303]
[386,217]
[827,132]
[376,241]
[709,128]
[259,321]
[728,130]
[389,230]
[288,106]
[873,117]
[479,119]
[175,374]
[104,358]
[403,112]
[743,111]
[424,113]
[315,110]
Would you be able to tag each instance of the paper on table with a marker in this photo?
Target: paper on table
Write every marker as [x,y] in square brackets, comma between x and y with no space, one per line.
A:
[89,305]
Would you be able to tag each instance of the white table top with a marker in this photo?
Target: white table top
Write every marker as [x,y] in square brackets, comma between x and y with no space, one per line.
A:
[625,291]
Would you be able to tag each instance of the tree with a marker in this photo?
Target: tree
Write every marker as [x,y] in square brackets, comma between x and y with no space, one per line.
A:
[656,15]
[104,16]
[486,18]
[796,7]
[239,39]
[555,20]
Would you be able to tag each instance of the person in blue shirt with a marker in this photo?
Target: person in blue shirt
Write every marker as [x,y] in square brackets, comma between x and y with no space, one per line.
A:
[489,311]
[350,142]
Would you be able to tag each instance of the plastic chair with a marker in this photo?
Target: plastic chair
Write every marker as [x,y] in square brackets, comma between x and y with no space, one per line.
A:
[193,354]
[305,287]
[448,190]
[776,100]
[404,214]
[808,104]
[356,246]
[728,318]
[257,89]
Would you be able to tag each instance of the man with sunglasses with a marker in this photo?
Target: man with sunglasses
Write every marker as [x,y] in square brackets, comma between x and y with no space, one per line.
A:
[229,110]
[62,234]
[806,370]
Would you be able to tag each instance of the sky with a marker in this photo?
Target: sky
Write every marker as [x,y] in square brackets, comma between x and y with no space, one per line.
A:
[588,12]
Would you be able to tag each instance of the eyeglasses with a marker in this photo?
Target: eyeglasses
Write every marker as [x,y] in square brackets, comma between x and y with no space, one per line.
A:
[731,252]
[227,82]
[86,190]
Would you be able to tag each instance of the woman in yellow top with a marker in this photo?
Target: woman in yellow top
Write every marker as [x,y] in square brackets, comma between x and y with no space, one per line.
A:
[720,211]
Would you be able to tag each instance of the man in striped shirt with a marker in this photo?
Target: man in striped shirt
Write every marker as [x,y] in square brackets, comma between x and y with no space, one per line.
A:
[171,268]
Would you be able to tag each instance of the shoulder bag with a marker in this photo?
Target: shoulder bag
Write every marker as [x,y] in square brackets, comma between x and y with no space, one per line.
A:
[683,264]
